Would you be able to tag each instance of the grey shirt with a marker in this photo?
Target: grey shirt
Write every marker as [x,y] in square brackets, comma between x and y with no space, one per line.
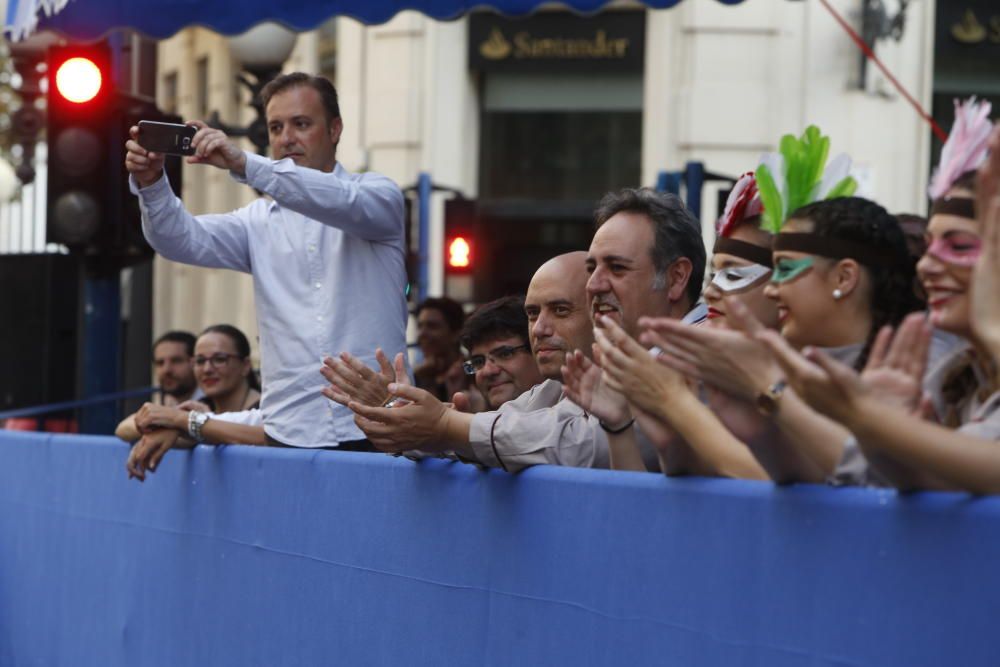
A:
[543,426]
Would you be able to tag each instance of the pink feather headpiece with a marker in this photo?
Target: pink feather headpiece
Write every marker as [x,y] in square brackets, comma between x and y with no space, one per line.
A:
[743,203]
[965,148]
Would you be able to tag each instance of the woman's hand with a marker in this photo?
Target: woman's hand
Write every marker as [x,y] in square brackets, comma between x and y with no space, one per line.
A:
[732,361]
[896,364]
[986,274]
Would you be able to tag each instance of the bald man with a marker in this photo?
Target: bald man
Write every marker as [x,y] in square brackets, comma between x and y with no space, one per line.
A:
[559,312]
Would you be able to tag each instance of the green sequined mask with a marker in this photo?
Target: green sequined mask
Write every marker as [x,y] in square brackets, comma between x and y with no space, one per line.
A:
[787,269]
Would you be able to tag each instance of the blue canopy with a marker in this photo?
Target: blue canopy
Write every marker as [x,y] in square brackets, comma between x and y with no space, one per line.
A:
[90,19]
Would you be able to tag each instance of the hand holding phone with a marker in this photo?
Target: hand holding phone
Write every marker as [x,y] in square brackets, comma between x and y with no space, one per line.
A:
[166,138]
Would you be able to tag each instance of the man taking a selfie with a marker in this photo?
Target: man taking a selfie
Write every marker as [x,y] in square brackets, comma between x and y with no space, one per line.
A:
[326,251]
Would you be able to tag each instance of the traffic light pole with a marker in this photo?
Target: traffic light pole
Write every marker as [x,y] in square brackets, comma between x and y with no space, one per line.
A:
[99,347]
[424,189]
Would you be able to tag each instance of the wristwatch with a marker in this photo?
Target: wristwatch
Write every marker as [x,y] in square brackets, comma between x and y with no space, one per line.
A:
[196,420]
[767,401]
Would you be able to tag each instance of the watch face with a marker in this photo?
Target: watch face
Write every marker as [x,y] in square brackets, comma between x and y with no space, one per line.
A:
[766,403]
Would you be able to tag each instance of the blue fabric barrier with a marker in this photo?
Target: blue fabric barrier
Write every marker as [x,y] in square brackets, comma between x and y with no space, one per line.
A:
[260,556]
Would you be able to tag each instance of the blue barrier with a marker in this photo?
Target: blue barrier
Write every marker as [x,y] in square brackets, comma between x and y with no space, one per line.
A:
[259,556]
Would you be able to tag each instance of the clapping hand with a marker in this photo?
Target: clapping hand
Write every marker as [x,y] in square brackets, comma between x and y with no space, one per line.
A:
[420,420]
[733,361]
[351,380]
[986,274]
[587,386]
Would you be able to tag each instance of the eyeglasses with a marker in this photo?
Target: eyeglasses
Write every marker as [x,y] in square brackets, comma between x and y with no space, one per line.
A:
[496,355]
[217,360]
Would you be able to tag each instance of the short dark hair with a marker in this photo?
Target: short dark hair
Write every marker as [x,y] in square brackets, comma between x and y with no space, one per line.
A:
[499,318]
[240,342]
[322,85]
[185,338]
[677,233]
[452,310]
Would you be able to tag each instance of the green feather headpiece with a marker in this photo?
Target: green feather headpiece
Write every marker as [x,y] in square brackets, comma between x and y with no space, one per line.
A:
[799,175]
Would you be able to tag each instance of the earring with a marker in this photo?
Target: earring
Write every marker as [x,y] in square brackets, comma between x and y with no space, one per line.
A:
[837,294]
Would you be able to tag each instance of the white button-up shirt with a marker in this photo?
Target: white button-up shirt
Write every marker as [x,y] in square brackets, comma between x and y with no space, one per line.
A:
[327,259]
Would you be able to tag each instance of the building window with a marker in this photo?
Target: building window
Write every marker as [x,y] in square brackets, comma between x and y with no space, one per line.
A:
[169,99]
[556,138]
[327,33]
[201,91]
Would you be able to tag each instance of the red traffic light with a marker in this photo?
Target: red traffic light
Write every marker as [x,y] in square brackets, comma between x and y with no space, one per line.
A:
[459,253]
[79,79]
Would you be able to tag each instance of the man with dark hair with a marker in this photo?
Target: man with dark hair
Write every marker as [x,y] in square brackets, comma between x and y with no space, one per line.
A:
[500,357]
[325,251]
[647,258]
[439,323]
[173,366]
[327,93]
[172,355]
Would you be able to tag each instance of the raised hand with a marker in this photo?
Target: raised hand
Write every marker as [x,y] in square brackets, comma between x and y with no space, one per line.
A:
[733,361]
[649,386]
[424,419]
[212,146]
[351,380]
[145,166]
[585,385]
[986,274]
[827,385]
[896,364]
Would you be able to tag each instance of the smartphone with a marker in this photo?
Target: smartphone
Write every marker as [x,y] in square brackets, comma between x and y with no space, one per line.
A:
[169,138]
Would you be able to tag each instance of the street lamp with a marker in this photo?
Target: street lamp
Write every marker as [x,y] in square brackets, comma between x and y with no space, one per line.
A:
[261,51]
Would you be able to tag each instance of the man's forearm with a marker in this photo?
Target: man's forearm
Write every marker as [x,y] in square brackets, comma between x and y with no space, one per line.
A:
[455,432]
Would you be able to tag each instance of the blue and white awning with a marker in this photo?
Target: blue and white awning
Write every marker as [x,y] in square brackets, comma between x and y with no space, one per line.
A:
[90,19]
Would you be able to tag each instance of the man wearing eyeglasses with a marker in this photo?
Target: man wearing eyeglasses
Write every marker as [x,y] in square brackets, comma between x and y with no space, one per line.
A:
[500,357]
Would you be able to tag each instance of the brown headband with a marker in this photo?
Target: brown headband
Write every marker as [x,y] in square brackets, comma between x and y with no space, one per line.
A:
[963,207]
[748,251]
[824,246]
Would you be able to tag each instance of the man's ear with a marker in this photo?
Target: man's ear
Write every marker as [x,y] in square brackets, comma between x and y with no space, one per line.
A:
[678,275]
[336,127]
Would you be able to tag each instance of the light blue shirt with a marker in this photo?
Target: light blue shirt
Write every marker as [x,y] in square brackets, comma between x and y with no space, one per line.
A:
[327,259]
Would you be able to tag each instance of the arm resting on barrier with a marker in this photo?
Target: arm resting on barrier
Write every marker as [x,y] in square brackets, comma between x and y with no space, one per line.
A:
[127,430]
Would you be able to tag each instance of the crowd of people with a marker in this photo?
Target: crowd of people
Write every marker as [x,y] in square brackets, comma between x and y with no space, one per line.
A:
[835,342]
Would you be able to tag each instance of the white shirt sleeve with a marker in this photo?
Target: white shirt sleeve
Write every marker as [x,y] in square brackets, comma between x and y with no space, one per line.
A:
[245,417]
[370,207]
[215,241]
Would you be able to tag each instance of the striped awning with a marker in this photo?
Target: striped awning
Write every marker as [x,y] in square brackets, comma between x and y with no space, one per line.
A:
[90,19]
